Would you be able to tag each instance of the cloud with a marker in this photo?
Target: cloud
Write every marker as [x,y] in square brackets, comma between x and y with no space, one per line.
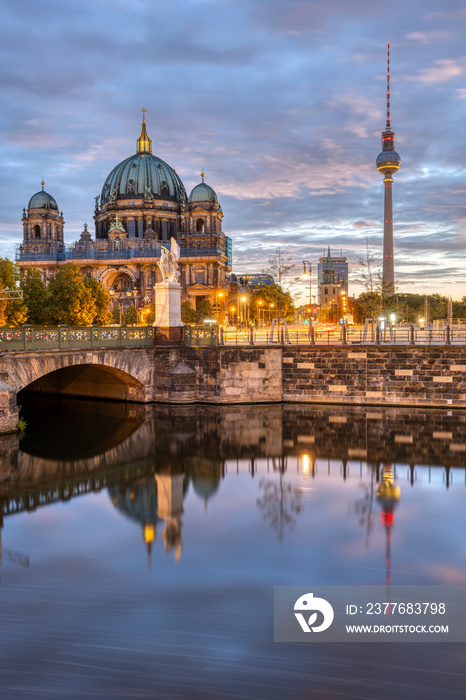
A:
[427,37]
[441,70]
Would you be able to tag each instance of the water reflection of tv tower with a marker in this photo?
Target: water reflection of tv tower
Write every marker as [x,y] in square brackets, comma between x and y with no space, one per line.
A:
[388,495]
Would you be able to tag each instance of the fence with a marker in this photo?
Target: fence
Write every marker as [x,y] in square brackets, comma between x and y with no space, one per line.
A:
[73,337]
[346,336]
[201,335]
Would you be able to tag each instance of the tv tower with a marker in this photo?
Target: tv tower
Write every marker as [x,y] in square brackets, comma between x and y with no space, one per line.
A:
[387,163]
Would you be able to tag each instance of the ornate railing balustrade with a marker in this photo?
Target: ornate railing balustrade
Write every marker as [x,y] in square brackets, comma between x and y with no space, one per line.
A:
[74,337]
[201,335]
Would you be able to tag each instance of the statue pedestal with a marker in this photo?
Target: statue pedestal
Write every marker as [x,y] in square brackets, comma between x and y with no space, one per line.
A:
[168,326]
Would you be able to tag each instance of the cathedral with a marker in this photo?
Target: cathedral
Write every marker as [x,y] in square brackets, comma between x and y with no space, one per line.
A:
[142,206]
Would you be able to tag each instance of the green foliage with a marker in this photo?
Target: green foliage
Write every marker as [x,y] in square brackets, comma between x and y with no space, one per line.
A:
[188,314]
[150,317]
[130,316]
[36,298]
[21,428]
[116,315]
[101,301]
[13,312]
[71,301]
[203,311]
[271,294]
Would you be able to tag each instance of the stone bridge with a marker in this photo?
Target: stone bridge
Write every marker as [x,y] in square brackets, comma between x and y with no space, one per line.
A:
[364,375]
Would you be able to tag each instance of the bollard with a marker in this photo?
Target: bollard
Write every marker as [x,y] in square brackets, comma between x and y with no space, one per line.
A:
[282,337]
[448,338]
[222,340]
[411,335]
[344,334]
[251,336]
[313,338]
[377,335]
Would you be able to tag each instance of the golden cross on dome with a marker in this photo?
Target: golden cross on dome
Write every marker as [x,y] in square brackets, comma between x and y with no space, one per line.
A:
[143,114]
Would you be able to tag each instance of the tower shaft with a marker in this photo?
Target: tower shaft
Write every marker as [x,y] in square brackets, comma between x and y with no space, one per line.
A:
[388,269]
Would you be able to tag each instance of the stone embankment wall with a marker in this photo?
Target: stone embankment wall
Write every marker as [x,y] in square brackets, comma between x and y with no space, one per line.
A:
[420,376]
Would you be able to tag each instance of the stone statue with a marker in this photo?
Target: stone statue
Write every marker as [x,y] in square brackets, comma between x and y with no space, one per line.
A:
[113,195]
[148,193]
[169,262]
[97,201]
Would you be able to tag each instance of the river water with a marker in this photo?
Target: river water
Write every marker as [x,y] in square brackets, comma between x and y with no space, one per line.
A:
[141,546]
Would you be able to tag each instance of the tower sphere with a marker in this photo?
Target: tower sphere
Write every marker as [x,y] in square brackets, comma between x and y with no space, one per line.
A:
[388,162]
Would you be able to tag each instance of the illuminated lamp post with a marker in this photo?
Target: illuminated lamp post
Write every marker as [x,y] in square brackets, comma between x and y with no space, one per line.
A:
[218,295]
[243,310]
[270,307]
[112,293]
[260,309]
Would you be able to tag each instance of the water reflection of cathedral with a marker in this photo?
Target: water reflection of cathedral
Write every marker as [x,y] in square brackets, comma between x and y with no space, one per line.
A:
[150,458]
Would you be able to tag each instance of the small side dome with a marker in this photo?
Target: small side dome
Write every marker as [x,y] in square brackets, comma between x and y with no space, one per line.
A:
[203,193]
[42,200]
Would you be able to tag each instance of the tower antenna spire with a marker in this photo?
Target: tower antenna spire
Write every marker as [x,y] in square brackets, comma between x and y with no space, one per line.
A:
[388,85]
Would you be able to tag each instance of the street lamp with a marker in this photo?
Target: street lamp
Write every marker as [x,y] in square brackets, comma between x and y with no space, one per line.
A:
[243,299]
[260,302]
[305,274]
[218,296]
[270,307]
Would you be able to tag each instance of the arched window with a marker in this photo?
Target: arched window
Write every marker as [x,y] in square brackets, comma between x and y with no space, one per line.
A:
[326,290]
[200,225]
[37,231]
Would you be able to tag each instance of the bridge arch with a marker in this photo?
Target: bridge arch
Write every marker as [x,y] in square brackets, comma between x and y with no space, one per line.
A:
[120,375]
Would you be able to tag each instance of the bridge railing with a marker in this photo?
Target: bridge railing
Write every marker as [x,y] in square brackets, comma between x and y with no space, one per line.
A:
[73,337]
[201,335]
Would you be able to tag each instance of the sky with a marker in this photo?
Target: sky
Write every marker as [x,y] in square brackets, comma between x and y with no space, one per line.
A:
[281,102]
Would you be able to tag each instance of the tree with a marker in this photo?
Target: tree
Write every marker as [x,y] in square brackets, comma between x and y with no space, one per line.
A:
[279,266]
[71,301]
[203,311]
[276,303]
[101,300]
[116,315]
[131,316]
[36,298]
[13,312]
[188,314]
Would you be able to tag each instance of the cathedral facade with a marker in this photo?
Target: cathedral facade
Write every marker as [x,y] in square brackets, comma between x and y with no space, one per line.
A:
[142,206]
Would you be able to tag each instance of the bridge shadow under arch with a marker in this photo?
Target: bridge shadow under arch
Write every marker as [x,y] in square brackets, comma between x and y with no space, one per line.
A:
[87,380]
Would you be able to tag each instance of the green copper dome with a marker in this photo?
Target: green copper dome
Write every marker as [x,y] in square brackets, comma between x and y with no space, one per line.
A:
[203,193]
[143,176]
[42,200]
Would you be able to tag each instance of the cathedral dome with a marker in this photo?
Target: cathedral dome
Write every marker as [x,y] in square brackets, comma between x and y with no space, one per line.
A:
[42,200]
[203,193]
[143,176]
